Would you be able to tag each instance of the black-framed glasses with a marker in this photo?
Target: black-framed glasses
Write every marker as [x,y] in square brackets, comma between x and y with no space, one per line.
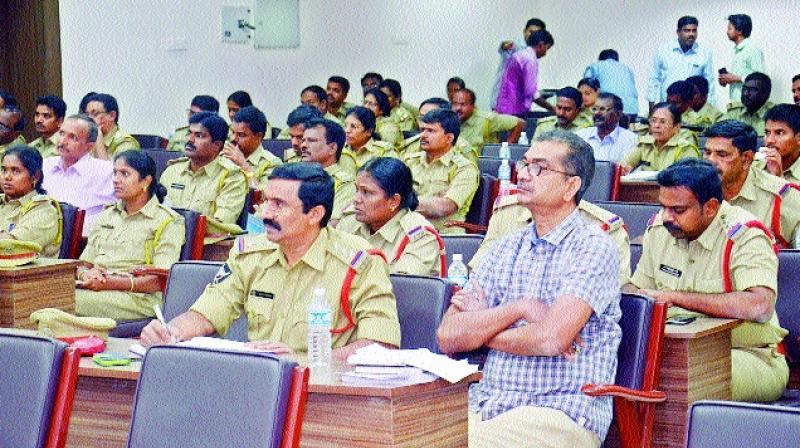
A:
[534,169]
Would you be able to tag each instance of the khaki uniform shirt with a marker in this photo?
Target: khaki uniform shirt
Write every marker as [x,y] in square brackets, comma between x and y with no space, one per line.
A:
[669,264]
[389,131]
[509,216]
[372,149]
[179,139]
[737,111]
[19,141]
[262,163]
[46,147]
[32,217]
[585,118]
[216,190]
[421,254]
[485,127]
[257,281]
[791,174]
[706,116]
[757,196]
[344,188]
[412,145]
[404,119]
[652,158]
[117,141]
[548,124]
[452,174]
[342,112]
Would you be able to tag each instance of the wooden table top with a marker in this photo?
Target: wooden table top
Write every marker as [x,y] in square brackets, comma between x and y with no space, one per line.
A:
[702,326]
[38,266]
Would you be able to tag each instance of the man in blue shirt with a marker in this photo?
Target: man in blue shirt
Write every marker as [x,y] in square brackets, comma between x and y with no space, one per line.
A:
[679,60]
[617,78]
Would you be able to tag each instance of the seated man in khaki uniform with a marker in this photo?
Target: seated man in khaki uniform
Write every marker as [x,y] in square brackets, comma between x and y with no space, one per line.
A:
[337,89]
[323,141]
[411,144]
[270,277]
[295,127]
[782,141]
[245,150]
[200,103]
[478,127]
[111,140]
[11,124]
[702,113]
[316,97]
[681,261]
[567,118]
[445,181]
[204,182]
[755,102]
[48,118]
[731,146]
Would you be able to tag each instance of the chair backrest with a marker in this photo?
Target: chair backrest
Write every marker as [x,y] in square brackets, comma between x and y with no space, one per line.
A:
[787,306]
[714,424]
[150,141]
[636,254]
[605,183]
[466,245]
[517,151]
[276,131]
[635,215]
[37,385]
[196,225]
[409,134]
[187,280]
[161,157]
[489,165]
[640,335]
[530,127]
[249,201]
[421,303]
[71,232]
[241,399]
[276,147]
[480,210]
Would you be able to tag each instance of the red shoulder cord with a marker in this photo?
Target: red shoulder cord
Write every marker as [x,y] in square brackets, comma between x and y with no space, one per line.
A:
[442,252]
[344,296]
[776,213]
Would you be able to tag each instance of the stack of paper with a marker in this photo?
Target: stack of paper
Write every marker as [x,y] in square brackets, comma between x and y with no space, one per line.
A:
[439,365]
[205,342]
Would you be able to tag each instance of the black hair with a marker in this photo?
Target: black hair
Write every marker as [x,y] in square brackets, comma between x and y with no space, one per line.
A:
[84,101]
[394,178]
[758,76]
[316,185]
[698,175]
[608,54]
[673,110]
[381,99]
[31,159]
[371,75]
[14,109]
[8,98]
[700,83]
[55,103]
[683,89]
[441,103]
[461,84]
[342,81]
[540,37]
[536,22]
[302,114]
[143,164]
[593,83]
[255,119]
[796,78]
[579,159]
[573,94]
[742,23]
[470,93]
[394,86]
[109,103]
[785,113]
[742,135]
[447,119]
[333,133]
[213,123]
[318,91]
[206,103]
[615,100]
[687,20]
[365,116]
[241,98]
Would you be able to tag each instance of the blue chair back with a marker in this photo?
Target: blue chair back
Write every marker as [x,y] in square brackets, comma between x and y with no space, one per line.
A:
[637,312]
[421,303]
[787,306]
[716,424]
[635,215]
[466,245]
[276,147]
[604,183]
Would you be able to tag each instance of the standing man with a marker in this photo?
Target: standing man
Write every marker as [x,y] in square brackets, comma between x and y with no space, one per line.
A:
[534,293]
[607,138]
[479,128]
[48,118]
[518,85]
[679,60]
[755,102]
[12,122]
[104,110]
[617,78]
[245,150]
[506,50]
[200,103]
[747,58]
[782,139]
[337,90]
[682,252]
[569,103]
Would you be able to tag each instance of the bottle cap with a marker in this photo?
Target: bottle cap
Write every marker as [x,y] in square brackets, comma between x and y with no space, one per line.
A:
[458,257]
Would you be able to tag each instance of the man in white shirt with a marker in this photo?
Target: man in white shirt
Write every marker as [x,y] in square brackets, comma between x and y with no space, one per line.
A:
[609,141]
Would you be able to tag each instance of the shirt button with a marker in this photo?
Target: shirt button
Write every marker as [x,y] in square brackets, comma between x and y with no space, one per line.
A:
[691,261]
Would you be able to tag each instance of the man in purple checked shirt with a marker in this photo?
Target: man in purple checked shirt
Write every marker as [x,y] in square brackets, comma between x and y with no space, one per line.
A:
[518,84]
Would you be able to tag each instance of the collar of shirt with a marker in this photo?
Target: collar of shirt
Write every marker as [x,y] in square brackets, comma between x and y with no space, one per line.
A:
[749,188]
[392,229]
[676,46]
[107,139]
[81,166]
[794,170]
[741,45]
[210,169]
[149,209]
[558,233]
[254,160]
[610,138]
[314,256]
[27,197]
[708,239]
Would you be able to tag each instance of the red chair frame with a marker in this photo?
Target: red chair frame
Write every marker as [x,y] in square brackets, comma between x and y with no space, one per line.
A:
[74,247]
[614,195]
[65,393]
[295,411]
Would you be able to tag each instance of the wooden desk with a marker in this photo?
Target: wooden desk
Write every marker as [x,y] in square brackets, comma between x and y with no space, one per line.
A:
[638,191]
[423,415]
[45,283]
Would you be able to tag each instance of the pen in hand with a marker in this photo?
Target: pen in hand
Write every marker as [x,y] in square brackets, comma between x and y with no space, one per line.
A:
[160,317]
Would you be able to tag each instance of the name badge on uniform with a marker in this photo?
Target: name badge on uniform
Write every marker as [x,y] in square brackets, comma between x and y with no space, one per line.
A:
[262,294]
[107,226]
[178,186]
[670,270]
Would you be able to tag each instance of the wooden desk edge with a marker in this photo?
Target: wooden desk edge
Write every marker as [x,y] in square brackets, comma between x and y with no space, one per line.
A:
[50,265]
[701,327]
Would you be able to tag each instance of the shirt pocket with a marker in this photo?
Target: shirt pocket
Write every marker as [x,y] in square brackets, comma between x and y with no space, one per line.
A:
[258,310]
[668,281]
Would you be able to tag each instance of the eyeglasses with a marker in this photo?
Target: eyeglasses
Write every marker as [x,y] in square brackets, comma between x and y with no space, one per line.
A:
[601,110]
[534,169]
[95,114]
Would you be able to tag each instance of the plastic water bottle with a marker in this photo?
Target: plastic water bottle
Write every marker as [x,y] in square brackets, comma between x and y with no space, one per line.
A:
[504,174]
[319,331]
[457,273]
[523,139]
[505,152]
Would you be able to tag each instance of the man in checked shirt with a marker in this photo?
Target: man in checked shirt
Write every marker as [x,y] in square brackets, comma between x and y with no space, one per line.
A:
[545,300]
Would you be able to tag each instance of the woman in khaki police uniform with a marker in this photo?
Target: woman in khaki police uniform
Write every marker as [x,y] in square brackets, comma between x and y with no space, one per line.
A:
[135,231]
[388,130]
[384,215]
[359,130]
[664,145]
[26,212]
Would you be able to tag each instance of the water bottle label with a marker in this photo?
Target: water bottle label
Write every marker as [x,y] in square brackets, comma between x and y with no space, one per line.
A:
[319,319]
[459,280]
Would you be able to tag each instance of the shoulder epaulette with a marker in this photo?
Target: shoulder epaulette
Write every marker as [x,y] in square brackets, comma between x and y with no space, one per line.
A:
[246,245]
[609,221]
[506,198]
[412,139]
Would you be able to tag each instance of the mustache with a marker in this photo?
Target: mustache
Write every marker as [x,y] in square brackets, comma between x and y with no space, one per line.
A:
[673,228]
[190,147]
[271,223]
